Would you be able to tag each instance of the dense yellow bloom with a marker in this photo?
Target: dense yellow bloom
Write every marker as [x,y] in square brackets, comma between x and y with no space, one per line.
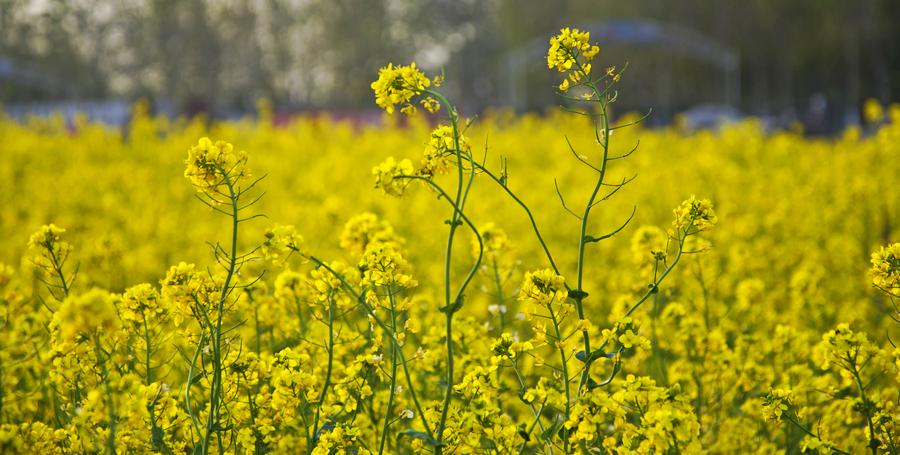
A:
[49,237]
[441,152]
[777,404]
[398,85]
[571,53]
[87,315]
[383,265]
[365,229]
[308,353]
[567,46]
[886,267]
[845,348]
[50,249]
[508,348]
[389,176]
[543,287]
[212,166]
[142,304]
[280,242]
[340,440]
[694,213]
[326,286]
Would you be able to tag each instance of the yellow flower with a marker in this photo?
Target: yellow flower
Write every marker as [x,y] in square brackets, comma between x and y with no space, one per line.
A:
[90,314]
[383,265]
[366,228]
[885,269]
[398,85]
[389,176]
[142,303]
[328,287]
[48,237]
[440,154]
[51,250]
[543,287]
[567,46]
[280,241]
[872,111]
[213,166]
[845,348]
[629,339]
[777,404]
[571,53]
[695,213]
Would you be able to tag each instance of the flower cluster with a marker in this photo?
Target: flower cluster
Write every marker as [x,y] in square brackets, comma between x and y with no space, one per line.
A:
[770,342]
[694,215]
[85,316]
[142,304]
[441,151]
[383,265]
[778,404]
[51,251]
[366,229]
[280,242]
[543,287]
[886,268]
[398,85]
[571,53]
[214,166]
[389,176]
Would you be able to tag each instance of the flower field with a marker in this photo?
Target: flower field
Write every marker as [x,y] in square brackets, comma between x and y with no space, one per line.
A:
[562,283]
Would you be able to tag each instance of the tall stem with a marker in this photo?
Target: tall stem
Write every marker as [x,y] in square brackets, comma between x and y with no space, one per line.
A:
[57,267]
[390,404]
[867,413]
[582,239]
[361,299]
[448,300]
[212,421]
[565,370]
[329,367]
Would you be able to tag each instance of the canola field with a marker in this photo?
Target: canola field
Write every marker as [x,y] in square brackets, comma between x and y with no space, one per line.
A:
[560,283]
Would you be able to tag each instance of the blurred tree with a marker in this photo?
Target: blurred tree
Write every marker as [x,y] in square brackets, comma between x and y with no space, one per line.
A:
[223,55]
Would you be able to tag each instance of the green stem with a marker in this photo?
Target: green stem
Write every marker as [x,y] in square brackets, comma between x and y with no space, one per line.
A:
[582,239]
[149,373]
[536,412]
[390,404]
[810,433]
[149,380]
[328,368]
[534,226]
[565,371]
[212,422]
[854,371]
[361,299]
[501,309]
[57,267]
[448,256]
[187,388]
